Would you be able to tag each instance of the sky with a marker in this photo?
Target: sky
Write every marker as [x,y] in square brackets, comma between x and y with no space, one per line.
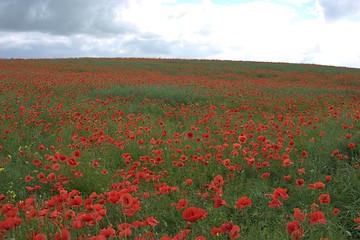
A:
[325,32]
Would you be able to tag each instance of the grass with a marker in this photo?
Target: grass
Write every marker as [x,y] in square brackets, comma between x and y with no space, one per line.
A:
[146,126]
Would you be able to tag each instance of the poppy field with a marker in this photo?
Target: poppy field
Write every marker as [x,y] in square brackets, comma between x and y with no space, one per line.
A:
[178,149]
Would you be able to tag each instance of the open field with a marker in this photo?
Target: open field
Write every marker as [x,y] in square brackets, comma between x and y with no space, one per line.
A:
[178,149]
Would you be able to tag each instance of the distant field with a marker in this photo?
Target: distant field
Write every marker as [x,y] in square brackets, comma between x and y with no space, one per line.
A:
[178,149]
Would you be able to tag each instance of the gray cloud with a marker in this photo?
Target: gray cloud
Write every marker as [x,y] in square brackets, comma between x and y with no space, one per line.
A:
[337,9]
[72,28]
[64,17]
[42,45]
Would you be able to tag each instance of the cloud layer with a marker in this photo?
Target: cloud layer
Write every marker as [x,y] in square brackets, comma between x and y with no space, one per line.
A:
[311,31]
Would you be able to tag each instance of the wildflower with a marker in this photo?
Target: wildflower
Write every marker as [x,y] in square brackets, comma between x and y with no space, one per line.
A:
[216,231]
[299,182]
[126,200]
[182,203]
[242,139]
[151,221]
[108,232]
[265,175]
[234,232]
[328,178]
[182,235]
[192,214]
[336,211]
[298,215]
[219,202]
[40,236]
[286,163]
[64,235]
[317,217]
[294,229]
[28,178]
[218,181]
[41,147]
[335,152]
[301,170]
[125,233]
[281,192]
[190,135]
[292,226]
[188,181]
[274,201]
[324,198]
[287,177]
[72,162]
[76,154]
[243,202]
[351,145]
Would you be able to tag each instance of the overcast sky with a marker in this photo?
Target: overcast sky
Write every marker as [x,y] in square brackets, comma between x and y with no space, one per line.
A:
[300,31]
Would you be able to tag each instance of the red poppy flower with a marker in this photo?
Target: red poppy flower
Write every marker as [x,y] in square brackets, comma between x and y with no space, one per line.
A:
[188,182]
[243,202]
[297,234]
[281,192]
[125,233]
[182,234]
[182,203]
[56,167]
[28,178]
[292,226]
[126,200]
[317,217]
[286,163]
[336,211]
[274,201]
[265,175]
[242,138]
[41,147]
[216,231]
[324,198]
[107,232]
[151,221]
[72,162]
[328,178]
[351,145]
[192,214]
[299,215]
[64,235]
[76,154]
[40,236]
[219,202]
[218,180]
[234,232]
[299,182]
[287,177]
